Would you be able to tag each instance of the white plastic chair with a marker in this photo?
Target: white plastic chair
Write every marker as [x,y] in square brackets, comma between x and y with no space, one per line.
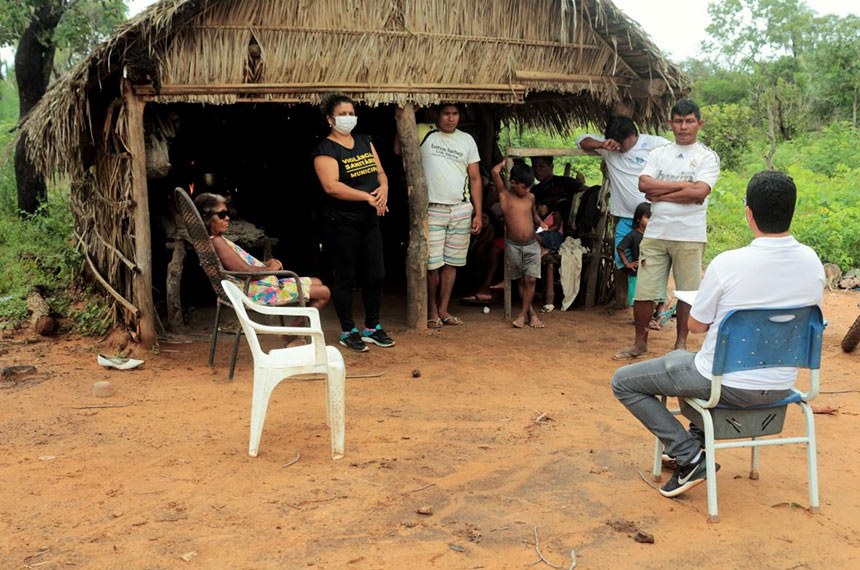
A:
[273,367]
[753,339]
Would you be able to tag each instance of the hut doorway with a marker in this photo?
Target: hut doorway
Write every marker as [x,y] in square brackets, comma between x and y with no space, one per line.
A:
[260,156]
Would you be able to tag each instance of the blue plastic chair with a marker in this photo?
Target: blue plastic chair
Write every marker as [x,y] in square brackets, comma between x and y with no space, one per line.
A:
[751,339]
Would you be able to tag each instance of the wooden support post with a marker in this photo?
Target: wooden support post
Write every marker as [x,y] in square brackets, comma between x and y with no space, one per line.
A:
[487,134]
[174,281]
[508,301]
[419,249]
[142,235]
[597,244]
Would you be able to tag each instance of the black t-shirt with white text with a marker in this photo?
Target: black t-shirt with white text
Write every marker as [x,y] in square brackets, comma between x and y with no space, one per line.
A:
[357,169]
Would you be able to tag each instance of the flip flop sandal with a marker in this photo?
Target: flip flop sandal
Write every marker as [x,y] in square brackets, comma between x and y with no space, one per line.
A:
[451,321]
[665,316]
[547,308]
[626,355]
[434,323]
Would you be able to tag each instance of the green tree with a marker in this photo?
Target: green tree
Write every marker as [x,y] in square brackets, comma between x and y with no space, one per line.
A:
[728,129]
[837,61]
[38,28]
[769,39]
[745,32]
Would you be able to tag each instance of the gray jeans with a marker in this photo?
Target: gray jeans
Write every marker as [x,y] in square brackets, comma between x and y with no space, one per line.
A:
[675,374]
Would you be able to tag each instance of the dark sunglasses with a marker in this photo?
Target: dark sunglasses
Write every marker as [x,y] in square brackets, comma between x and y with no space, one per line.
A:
[222,214]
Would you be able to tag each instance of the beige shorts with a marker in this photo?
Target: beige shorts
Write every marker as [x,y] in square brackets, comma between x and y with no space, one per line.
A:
[657,257]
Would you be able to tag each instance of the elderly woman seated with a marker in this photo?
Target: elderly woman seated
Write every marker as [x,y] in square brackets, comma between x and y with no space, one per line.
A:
[268,290]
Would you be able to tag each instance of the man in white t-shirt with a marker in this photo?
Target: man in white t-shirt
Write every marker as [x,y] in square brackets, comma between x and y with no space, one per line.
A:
[451,165]
[774,271]
[624,151]
[677,179]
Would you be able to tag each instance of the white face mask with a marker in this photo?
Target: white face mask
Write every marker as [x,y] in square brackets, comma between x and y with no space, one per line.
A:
[345,123]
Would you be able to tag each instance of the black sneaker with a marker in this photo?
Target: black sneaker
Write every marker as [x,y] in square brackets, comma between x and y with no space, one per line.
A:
[352,340]
[686,477]
[377,336]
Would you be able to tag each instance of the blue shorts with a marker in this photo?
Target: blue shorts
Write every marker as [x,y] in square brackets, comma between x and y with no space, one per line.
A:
[623,226]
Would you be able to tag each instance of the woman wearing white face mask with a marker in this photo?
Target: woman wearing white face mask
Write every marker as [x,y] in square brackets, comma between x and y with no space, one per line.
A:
[356,190]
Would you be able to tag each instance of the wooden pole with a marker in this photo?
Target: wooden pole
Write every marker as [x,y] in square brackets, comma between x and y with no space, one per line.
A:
[597,243]
[174,280]
[142,235]
[418,250]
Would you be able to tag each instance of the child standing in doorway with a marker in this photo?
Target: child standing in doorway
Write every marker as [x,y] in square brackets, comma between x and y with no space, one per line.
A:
[522,250]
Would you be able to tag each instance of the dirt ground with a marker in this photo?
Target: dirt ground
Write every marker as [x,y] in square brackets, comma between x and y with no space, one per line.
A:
[506,433]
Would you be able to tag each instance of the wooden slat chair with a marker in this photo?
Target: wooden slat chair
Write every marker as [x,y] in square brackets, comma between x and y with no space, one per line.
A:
[199,239]
[751,339]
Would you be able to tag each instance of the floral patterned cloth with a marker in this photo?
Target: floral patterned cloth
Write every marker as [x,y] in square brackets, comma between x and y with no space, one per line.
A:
[270,290]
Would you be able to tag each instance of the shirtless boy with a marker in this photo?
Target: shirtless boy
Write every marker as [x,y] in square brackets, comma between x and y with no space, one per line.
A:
[522,250]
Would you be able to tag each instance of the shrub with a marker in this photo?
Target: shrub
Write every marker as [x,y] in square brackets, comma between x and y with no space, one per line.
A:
[727,130]
[36,252]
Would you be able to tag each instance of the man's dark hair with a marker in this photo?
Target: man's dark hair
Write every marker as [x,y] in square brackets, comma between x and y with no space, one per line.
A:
[771,196]
[546,159]
[522,173]
[685,107]
[642,210]
[620,128]
[333,100]
[438,108]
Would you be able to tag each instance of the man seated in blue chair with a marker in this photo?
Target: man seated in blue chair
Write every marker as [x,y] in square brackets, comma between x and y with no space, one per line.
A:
[775,270]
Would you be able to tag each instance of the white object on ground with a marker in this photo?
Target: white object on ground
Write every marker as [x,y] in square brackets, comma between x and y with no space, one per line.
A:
[486,310]
[118,363]
[102,389]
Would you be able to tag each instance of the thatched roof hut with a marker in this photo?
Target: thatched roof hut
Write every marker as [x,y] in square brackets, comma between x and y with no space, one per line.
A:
[552,63]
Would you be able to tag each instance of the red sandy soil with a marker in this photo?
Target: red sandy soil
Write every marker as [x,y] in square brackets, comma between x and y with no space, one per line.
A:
[505,433]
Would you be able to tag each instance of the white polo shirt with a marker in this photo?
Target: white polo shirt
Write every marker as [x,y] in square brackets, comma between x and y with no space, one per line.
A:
[446,157]
[689,163]
[624,169]
[768,273]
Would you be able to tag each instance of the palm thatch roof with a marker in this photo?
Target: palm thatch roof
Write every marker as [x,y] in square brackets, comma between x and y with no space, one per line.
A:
[569,60]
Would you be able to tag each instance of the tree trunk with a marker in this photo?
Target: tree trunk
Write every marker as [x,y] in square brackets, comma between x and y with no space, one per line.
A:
[771,134]
[40,314]
[34,59]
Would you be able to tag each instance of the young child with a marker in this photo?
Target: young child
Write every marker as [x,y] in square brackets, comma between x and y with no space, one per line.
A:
[629,246]
[522,250]
[552,236]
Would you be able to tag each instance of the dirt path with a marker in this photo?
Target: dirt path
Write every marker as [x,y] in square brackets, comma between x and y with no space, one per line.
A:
[506,431]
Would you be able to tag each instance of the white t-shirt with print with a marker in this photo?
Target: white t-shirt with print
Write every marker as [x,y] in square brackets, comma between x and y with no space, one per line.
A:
[689,163]
[768,273]
[624,169]
[446,157]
